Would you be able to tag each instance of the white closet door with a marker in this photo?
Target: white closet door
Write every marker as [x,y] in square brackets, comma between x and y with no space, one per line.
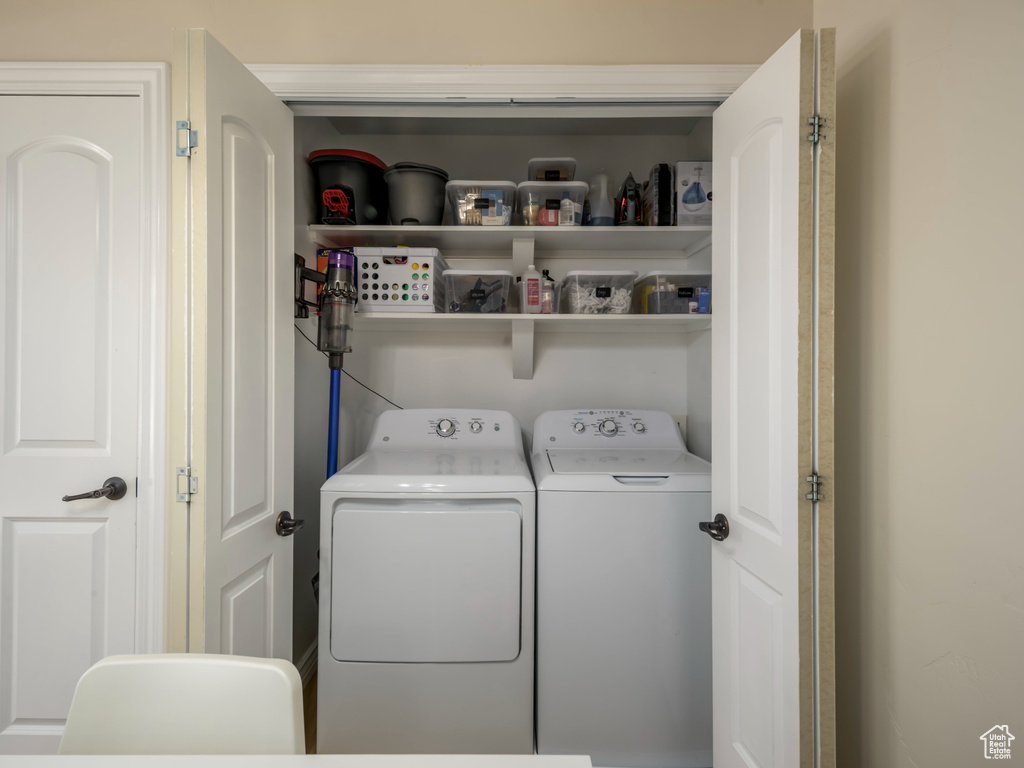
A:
[763,415]
[70,184]
[239,250]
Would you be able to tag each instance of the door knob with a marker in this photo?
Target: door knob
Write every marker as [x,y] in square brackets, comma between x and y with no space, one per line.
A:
[114,488]
[718,529]
[286,525]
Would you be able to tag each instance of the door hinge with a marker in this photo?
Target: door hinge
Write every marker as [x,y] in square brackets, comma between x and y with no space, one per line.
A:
[187,484]
[190,138]
[817,123]
[815,481]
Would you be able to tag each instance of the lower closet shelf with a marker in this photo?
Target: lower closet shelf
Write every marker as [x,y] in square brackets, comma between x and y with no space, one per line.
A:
[476,323]
[523,327]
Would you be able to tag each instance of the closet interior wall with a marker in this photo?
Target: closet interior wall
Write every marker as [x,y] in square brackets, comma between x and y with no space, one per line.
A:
[473,368]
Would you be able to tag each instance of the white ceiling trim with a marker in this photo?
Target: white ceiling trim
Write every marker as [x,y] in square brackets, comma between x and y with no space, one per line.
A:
[387,82]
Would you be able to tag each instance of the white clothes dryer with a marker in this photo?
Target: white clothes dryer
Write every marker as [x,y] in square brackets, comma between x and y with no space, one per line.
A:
[623,590]
[427,589]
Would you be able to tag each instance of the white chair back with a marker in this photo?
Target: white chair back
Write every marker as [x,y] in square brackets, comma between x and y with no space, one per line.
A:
[186,704]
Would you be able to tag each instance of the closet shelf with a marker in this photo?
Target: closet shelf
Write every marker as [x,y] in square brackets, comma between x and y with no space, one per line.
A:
[523,328]
[473,323]
[606,242]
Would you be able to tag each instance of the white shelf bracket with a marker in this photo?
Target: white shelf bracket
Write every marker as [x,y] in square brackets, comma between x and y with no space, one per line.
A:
[522,348]
[522,255]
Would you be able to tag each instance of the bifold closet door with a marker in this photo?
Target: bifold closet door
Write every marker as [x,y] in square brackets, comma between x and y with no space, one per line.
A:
[233,350]
[772,411]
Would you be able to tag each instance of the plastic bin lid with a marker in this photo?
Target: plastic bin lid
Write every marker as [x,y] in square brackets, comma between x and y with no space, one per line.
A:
[398,167]
[476,272]
[350,154]
[601,273]
[579,186]
[481,184]
[670,273]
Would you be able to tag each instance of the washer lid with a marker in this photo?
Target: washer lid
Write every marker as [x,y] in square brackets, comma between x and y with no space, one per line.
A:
[624,470]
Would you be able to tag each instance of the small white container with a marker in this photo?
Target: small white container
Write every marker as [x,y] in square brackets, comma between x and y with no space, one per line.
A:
[551,169]
[477,290]
[481,203]
[597,292]
[541,202]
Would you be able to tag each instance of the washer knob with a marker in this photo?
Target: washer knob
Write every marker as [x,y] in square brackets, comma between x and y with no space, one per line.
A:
[475,426]
[579,427]
[445,428]
[609,427]
[639,428]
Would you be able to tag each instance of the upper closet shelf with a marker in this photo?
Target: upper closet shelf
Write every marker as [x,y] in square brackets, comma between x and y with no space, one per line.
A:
[612,241]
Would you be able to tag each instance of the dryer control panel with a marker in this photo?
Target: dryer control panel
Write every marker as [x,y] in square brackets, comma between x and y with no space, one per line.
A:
[606,428]
[451,428]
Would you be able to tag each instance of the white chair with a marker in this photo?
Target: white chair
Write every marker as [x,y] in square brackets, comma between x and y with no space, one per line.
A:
[186,704]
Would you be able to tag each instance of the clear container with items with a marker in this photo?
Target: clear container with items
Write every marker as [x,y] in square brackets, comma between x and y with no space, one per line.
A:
[551,169]
[667,293]
[481,203]
[586,292]
[552,203]
[476,290]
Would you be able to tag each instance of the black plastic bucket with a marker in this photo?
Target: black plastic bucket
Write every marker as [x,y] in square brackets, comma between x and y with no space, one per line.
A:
[350,186]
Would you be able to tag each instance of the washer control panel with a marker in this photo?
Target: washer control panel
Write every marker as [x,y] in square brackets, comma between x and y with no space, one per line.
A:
[605,428]
[454,428]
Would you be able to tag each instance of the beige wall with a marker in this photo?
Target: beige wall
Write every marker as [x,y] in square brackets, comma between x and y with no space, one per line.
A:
[930,402]
[407,31]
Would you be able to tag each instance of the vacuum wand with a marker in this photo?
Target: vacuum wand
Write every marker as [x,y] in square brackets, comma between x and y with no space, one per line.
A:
[337,302]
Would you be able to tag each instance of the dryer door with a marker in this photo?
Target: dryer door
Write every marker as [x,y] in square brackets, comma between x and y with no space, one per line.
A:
[426,581]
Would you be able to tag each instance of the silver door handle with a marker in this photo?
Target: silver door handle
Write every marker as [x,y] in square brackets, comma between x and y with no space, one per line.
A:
[114,488]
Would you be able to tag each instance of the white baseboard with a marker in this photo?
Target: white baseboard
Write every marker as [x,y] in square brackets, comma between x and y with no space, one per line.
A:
[307,664]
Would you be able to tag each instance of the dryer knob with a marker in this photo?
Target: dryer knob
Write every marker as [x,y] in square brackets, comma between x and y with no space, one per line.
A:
[639,428]
[475,427]
[579,427]
[445,428]
[609,427]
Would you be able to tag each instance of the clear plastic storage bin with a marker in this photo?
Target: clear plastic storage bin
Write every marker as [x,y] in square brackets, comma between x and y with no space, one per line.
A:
[552,203]
[586,292]
[668,293]
[476,290]
[481,203]
[551,169]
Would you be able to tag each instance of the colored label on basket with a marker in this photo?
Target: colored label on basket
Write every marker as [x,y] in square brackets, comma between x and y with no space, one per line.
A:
[477,293]
[603,291]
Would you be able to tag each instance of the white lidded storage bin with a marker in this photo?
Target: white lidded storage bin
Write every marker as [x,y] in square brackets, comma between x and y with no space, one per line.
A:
[552,203]
[481,203]
[477,290]
[399,279]
[551,169]
[597,292]
[671,293]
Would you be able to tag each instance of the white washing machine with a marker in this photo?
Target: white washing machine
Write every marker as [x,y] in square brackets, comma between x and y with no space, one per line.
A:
[623,590]
[427,589]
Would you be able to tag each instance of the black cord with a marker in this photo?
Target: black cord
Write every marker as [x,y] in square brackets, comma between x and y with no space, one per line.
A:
[357,381]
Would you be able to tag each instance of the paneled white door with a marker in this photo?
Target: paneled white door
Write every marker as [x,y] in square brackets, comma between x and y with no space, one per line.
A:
[237,198]
[70,211]
[764,416]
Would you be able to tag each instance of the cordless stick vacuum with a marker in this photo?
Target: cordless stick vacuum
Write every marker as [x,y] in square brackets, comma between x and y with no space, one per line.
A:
[337,302]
